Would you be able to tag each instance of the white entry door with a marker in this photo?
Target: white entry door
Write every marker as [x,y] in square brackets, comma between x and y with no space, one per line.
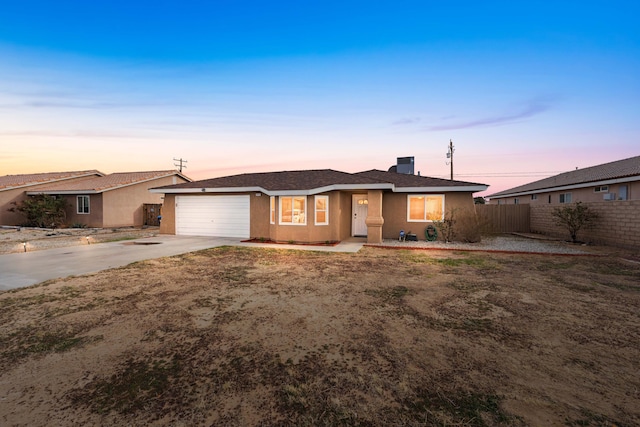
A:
[359,209]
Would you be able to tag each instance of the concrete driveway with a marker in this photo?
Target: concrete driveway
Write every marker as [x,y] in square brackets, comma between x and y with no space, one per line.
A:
[18,270]
[28,268]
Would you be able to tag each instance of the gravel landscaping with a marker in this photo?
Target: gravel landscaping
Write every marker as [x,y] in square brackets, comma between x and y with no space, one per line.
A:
[502,243]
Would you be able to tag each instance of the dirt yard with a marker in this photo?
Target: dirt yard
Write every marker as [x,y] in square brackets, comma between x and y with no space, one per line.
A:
[243,337]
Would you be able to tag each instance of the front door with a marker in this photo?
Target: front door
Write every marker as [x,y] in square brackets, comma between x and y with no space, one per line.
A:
[359,209]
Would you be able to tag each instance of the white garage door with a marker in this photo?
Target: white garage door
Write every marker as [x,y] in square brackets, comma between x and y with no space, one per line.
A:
[220,216]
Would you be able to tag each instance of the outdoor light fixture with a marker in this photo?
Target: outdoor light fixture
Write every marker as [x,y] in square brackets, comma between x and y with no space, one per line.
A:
[88,242]
[24,245]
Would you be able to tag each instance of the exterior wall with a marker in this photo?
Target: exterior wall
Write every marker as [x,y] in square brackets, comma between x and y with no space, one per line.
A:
[311,232]
[586,194]
[122,207]
[345,213]
[17,195]
[384,222]
[374,220]
[7,198]
[394,211]
[93,219]
[168,221]
[618,223]
[260,210]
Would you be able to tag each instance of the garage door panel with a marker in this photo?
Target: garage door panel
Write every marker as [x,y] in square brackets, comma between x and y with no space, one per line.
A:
[223,216]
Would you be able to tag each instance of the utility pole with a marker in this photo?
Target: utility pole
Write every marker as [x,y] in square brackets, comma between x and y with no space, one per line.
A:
[450,157]
[180,163]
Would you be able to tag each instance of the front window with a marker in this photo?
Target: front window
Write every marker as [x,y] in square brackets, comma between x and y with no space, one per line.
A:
[272,208]
[423,208]
[516,201]
[293,210]
[83,204]
[565,198]
[601,189]
[534,197]
[322,210]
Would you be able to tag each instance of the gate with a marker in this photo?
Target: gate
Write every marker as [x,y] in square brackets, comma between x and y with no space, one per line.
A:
[151,214]
[505,218]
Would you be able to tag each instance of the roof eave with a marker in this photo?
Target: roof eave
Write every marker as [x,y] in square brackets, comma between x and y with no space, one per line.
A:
[301,192]
[444,189]
[567,187]
[63,193]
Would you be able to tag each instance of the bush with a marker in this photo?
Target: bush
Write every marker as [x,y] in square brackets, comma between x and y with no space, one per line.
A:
[574,217]
[42,210]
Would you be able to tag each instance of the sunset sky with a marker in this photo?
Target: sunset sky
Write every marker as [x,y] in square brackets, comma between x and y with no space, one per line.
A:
[524,89]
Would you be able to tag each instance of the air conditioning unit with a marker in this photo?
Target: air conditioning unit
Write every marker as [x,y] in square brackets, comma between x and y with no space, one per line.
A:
[609,196]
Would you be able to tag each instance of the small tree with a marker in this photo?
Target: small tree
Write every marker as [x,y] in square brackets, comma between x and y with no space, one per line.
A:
[575,217]
[42,210]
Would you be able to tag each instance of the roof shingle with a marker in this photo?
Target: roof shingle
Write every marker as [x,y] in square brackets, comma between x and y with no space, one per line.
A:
[106,183]
[613,170]
[13,181]
[304,180]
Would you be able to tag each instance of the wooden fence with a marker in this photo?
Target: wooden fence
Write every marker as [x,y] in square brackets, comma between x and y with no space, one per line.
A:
[505,218]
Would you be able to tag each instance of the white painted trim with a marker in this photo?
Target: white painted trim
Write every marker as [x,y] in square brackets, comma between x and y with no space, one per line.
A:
[426,196]
[326,211]
[78,204]
[306,214]
[325,189]
[465,189]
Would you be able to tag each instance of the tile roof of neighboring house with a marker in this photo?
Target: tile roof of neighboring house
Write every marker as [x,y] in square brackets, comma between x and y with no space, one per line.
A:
[9,182]
[315,181]
[106,183]
[619,169]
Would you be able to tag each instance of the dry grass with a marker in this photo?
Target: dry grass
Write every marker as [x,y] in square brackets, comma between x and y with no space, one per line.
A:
[237,336]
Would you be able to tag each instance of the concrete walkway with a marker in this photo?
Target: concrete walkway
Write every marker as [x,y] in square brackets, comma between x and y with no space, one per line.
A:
[24,269]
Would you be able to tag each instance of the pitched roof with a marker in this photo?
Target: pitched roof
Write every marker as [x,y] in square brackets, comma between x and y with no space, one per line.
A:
[317,181]
[620,169]
[402,180]
[9,182]
[106,183]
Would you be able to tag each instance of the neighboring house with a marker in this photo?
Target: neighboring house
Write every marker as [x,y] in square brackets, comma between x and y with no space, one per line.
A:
[619,180]
[13,189]
[312,205]
[115,200]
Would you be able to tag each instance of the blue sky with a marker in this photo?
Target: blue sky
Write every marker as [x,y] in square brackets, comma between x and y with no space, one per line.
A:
[524,90]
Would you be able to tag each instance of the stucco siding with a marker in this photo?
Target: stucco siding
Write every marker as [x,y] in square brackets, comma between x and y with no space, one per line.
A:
[311,232]
[168,221]
[260,211]
[92,219]
[123,207]
[394,212]
[17,195]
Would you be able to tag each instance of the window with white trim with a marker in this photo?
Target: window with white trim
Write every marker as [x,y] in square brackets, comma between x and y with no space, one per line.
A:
[425,207]
[321,210]
[272,209]
[565,198]
[83,204]
[516,201]
[534,197]
[601,189]
[293,210]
